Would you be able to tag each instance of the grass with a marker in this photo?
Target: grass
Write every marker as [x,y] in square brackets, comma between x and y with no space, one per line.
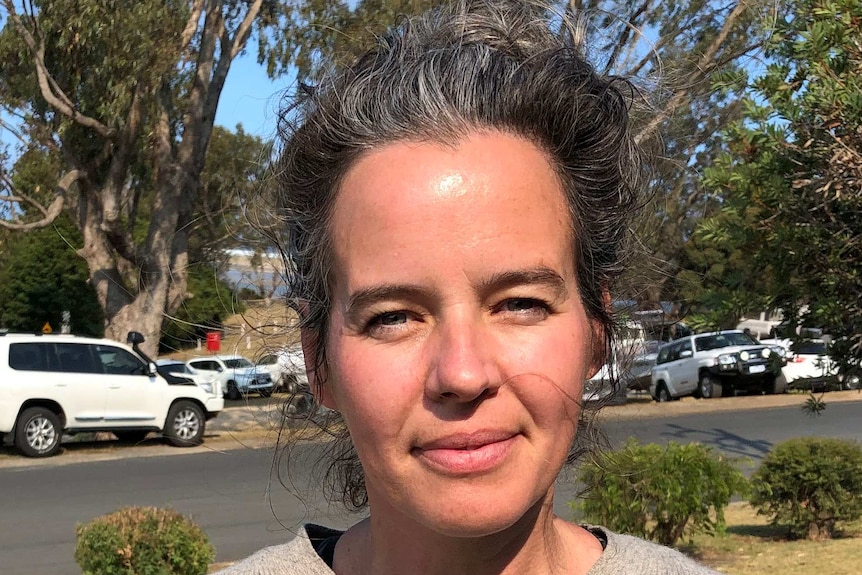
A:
[753,547]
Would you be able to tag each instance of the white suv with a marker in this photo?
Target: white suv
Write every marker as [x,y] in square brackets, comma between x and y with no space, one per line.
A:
[51,384]
[238,376]
[715,364]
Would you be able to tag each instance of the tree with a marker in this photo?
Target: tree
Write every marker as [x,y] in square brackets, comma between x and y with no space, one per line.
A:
[40,278]
[234,172]
[791,180]
[125,94]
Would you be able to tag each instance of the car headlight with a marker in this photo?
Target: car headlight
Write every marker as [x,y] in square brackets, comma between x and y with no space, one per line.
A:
[727,359]
[777,349]
[744,355]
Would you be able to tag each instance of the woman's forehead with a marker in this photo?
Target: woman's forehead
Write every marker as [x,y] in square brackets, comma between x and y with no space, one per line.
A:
[491,201]
[420,179]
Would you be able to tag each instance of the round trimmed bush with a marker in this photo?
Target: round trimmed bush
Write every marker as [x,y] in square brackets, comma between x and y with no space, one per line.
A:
[661,493]
[810,485]
[143,541]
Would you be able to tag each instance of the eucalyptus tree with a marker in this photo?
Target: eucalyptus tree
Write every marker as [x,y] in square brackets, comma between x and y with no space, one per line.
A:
[124,94]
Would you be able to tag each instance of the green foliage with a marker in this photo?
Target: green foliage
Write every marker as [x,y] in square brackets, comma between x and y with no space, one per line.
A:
[233,177]
[810,485]
[210,303]
[660,493]
[790,181]
[143,541]
[41,276]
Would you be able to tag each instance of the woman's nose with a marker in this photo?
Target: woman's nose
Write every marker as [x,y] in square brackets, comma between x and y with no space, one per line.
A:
[464,366]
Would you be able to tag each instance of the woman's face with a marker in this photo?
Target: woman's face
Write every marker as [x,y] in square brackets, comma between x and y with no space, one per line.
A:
[458,344]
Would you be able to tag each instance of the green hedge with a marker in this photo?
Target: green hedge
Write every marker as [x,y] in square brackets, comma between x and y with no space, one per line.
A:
[660,493]
[143,541]
[810,485]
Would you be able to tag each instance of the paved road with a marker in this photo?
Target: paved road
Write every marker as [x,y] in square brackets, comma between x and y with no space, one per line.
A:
[231,496]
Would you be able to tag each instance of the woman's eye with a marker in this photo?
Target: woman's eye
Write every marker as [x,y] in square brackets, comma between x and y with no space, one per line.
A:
[390,318]
[524,305]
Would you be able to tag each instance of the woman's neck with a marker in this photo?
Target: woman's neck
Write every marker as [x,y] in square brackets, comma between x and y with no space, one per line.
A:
[539,544]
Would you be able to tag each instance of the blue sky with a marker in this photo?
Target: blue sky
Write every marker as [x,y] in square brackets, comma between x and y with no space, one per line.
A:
[250,98]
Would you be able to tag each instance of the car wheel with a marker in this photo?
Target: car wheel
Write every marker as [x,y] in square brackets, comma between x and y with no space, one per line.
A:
[709,387]
[774,385]
[662,395]
[853,380]
[132,436]
[185,425]
[232,391]
[38,432]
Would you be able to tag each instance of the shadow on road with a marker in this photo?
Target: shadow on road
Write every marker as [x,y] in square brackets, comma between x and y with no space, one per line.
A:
[720,439]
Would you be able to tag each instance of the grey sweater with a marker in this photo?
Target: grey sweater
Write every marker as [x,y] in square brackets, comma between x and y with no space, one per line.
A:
[623,555]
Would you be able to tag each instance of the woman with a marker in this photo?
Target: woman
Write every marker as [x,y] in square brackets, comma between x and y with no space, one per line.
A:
[456,203]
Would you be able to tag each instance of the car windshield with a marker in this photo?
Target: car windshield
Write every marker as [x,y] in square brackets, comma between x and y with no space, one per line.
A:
[239,362]
[707,342]
[810,348]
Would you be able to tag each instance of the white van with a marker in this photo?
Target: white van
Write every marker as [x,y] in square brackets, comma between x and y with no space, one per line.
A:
[55,384]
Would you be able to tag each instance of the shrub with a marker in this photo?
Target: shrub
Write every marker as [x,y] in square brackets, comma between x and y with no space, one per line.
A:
[809,485]
[660,493]
[142,541]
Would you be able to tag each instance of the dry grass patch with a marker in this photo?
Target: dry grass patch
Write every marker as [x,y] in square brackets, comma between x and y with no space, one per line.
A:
[753,547]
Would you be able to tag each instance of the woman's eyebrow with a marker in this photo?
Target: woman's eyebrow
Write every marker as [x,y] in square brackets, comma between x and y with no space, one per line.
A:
[541,276]
[369,296]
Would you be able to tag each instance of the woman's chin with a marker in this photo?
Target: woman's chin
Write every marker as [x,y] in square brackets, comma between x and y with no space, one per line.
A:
[480,518]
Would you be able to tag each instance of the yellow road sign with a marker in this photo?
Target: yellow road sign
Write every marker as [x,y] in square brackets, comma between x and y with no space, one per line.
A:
[47,328]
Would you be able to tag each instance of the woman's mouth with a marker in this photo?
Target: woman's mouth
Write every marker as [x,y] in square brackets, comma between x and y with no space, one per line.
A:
[467,453]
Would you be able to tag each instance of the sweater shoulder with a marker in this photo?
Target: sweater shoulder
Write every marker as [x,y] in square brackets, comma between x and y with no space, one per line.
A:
[296,557]
[627,555]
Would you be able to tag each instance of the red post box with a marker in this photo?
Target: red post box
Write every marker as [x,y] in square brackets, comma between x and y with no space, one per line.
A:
[213,341]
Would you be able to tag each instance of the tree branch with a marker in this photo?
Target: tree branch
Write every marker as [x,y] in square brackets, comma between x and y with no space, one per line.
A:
[704,66]
[52,211]
[191,26]
[48,87]
[244,30]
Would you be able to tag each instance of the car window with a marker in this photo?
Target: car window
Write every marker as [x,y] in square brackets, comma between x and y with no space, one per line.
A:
[268,360]
[30,356]
[118,361]
[205,365]
[685,346]
[76,358]
[237,363]
[663,354]
[719,340]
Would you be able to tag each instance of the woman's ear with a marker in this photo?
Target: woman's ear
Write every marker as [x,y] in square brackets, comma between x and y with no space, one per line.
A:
[316,373]
[600,352]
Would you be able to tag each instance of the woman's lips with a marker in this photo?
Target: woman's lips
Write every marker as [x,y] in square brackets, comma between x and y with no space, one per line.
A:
[465,454]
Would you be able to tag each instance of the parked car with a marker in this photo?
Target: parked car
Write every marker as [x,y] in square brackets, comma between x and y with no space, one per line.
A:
[605,387]
[810,366]
[287,369]
[237,375]
[55,384]
[176,371]
[635,363]
[716,364]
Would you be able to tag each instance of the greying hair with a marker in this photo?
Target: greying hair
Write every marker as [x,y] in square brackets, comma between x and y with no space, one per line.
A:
[470,66]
